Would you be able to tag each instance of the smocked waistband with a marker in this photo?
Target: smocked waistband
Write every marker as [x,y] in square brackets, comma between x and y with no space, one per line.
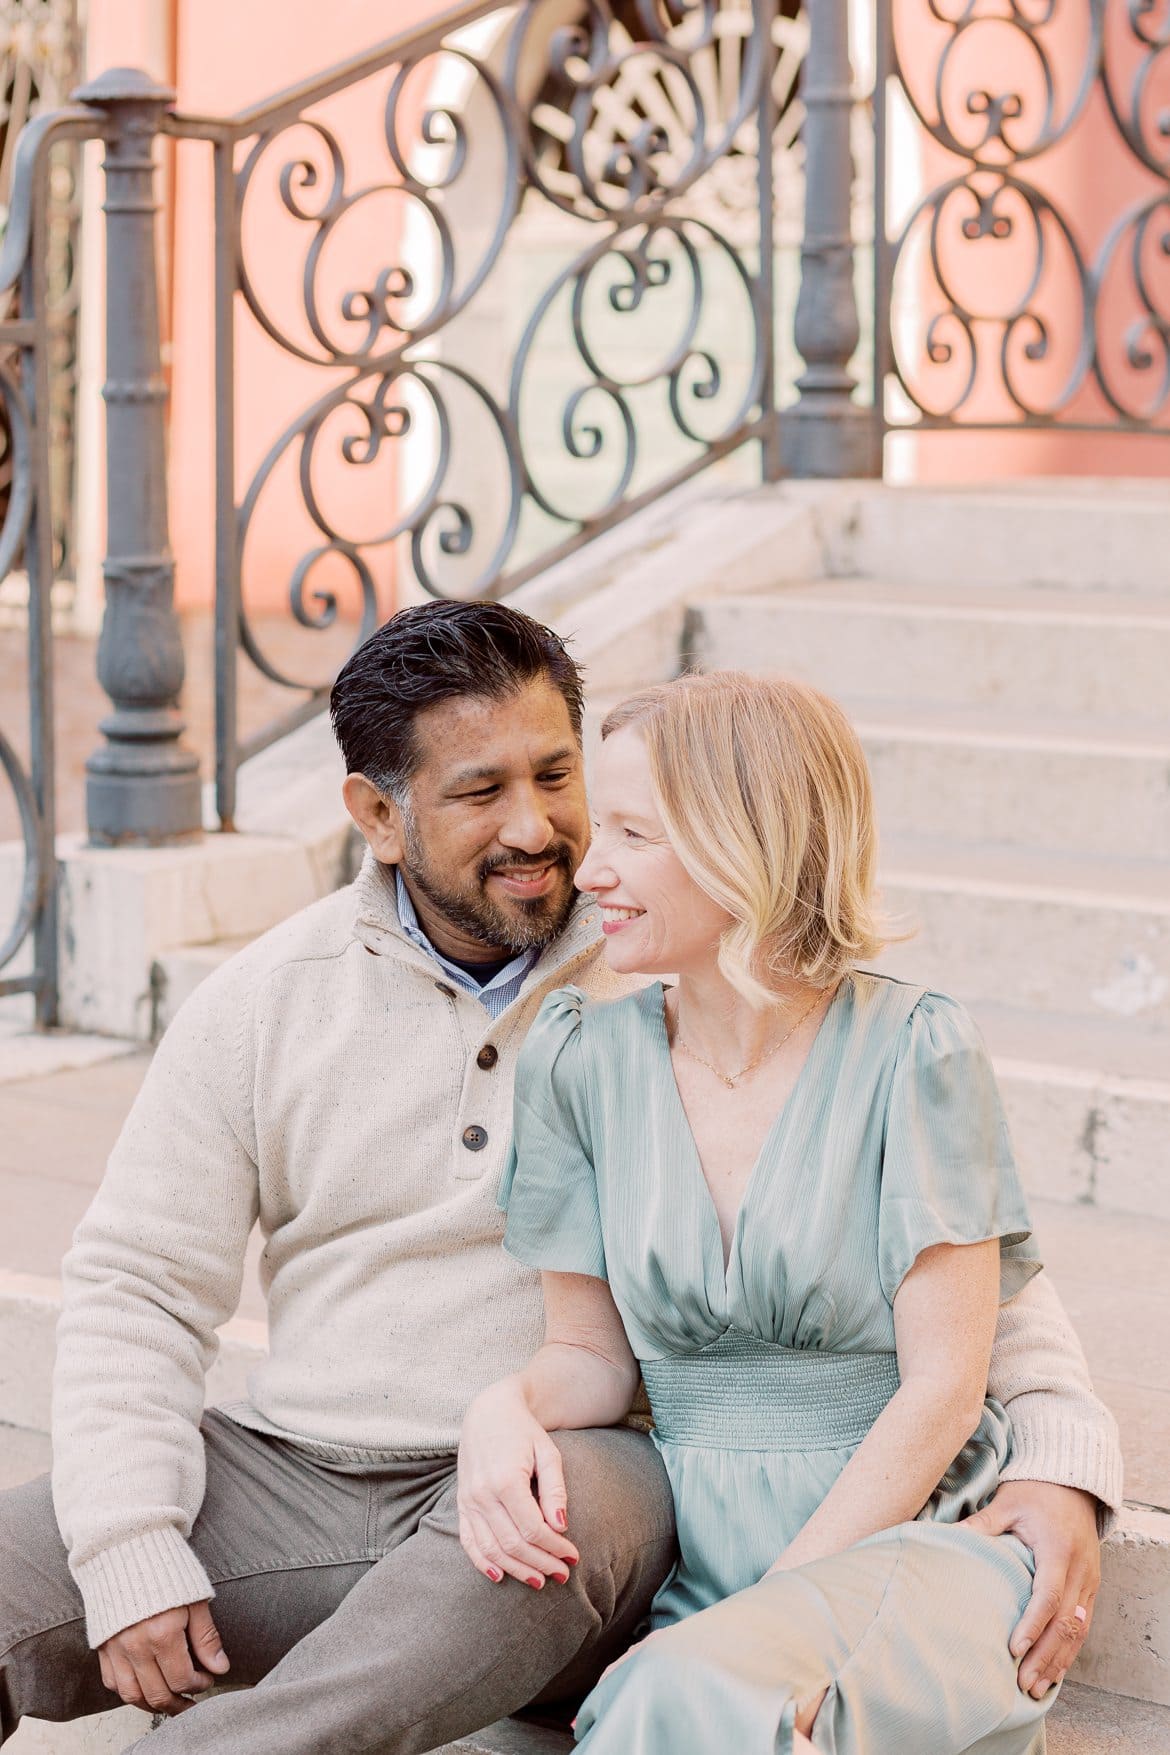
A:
[742,1393]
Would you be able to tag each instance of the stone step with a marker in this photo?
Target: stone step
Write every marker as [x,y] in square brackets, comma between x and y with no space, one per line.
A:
[1127,1653]
[106,1733]
[1086,1721]
[999,923]
[976,777]
[1111,535]
[1089,1107]
[178,973]
[1027,651]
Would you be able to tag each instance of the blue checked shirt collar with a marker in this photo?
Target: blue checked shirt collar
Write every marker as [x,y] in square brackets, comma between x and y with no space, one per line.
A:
[495,995]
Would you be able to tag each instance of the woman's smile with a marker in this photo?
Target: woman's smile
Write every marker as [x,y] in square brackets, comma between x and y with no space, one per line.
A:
[614,918]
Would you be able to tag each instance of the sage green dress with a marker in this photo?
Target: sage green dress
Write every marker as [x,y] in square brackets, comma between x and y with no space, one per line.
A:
[765,1373]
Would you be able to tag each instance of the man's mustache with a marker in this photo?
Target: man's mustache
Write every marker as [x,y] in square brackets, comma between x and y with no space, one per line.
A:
[560,855]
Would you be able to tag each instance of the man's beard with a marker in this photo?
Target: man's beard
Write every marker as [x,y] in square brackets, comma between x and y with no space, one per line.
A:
[537,920]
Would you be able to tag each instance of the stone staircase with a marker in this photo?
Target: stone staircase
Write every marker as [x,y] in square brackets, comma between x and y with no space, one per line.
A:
[1006,656]
[1019,739]
[1007,663]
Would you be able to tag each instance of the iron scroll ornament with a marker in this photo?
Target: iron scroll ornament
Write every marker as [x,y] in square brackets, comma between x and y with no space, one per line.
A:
[375,397]
[389,383]
[1096,369]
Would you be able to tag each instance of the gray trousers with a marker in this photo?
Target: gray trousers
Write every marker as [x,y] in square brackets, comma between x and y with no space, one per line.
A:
[344,1598]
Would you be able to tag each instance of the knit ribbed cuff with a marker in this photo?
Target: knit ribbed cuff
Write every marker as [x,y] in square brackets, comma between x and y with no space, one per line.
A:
[1069,1453]
[140,1577]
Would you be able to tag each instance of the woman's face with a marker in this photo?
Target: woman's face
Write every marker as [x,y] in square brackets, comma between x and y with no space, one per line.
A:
[656,919]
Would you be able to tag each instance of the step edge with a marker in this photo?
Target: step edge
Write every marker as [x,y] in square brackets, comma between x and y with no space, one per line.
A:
[815,599]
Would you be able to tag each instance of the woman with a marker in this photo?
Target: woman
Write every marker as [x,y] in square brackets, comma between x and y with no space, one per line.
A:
[783,1189]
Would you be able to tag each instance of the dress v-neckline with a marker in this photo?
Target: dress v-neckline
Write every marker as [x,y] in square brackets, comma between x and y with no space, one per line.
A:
[775,1126]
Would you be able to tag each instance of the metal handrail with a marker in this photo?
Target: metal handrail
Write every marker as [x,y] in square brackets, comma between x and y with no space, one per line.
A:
[275,111]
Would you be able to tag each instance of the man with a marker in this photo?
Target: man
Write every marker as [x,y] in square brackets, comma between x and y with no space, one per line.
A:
[347,1080]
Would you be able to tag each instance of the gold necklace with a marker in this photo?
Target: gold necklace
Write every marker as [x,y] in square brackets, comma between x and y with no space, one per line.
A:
[732,1079]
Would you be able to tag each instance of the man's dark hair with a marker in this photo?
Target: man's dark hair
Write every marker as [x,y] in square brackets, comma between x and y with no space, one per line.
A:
[434,652]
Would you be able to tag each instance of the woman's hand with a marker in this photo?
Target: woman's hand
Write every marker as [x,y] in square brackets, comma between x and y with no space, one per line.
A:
[507,1527]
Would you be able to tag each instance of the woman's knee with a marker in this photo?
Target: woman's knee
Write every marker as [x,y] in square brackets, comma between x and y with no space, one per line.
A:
[663,1671]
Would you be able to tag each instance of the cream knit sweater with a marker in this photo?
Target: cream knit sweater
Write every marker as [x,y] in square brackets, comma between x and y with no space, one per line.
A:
[326,1081]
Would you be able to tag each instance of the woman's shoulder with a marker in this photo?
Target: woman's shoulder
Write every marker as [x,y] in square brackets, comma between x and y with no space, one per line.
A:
[906,1013]
[573,1027]
[566,1009]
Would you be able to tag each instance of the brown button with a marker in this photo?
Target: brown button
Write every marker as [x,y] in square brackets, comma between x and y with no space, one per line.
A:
[487,1056]
[475,1138]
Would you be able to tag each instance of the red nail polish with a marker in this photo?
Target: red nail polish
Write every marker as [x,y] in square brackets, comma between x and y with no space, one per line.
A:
[561,1577]
[562,1519]
[570,1560]
[536,1583]
[494,1575]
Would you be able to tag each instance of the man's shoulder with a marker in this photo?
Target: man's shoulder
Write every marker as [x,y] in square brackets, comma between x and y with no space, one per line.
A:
[598,982]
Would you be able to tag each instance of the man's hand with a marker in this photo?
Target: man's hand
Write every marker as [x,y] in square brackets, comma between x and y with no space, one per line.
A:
[155,1663]
[506,1527]
[1059,1524]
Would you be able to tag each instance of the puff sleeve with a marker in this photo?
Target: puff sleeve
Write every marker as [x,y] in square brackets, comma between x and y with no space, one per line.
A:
[549,1187]
[948,1173]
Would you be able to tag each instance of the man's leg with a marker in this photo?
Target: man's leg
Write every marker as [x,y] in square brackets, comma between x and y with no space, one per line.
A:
[281,1540]
[424,1649]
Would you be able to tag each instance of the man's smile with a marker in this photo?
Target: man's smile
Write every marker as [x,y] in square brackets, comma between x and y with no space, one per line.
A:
[526,880]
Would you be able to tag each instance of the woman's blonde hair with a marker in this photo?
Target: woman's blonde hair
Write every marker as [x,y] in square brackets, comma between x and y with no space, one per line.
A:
[765,794]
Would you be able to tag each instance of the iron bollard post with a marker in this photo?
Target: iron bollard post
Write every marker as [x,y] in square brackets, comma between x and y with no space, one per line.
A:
[826,433]
[142,785]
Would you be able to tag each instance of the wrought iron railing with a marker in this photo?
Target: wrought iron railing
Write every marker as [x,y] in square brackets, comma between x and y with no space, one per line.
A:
[1028,287]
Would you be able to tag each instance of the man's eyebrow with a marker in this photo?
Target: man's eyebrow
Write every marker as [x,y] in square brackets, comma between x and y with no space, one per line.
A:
[466,776]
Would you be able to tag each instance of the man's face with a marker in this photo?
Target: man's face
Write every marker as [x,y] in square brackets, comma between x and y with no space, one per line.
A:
[496,823]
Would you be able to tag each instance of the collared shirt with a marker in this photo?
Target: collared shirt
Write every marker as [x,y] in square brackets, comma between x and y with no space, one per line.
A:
[495,995]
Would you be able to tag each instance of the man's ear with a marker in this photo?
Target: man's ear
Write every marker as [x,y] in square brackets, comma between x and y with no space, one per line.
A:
[378,818]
